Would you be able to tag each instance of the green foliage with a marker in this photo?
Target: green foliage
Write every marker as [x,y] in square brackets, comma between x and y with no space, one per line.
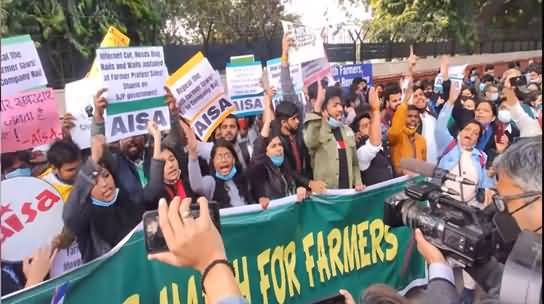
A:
[466,21]
[68,27]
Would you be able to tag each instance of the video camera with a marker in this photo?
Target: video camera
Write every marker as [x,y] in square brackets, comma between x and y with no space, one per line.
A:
[466,234]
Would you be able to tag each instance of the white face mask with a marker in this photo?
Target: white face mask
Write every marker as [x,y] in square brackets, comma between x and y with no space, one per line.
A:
[504,116]
[494,96]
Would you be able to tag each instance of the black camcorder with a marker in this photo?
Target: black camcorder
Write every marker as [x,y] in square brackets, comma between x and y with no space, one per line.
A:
[467,235]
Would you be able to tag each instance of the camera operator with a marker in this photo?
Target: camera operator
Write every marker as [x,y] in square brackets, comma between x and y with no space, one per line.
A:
[196,243]
[519,185]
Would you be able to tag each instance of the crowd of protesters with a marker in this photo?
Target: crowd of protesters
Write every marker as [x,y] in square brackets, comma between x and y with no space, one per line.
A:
[335,139]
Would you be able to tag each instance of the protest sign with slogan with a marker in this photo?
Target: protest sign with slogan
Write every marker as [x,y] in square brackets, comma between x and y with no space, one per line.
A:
[30,218]
[29,120]
[315,70]
[308,44]
[79,101]
[273,68]
[244,87]
[21,66]
[456,74]
[135,80]
[200,95]
[66,260]
[351,71]
[290,253]
[113,38]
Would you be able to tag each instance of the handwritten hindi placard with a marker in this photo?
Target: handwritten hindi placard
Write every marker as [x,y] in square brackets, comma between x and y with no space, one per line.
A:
[29,120]
[21,66]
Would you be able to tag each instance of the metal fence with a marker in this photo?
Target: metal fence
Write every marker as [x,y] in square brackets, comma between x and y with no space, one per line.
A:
[76,66]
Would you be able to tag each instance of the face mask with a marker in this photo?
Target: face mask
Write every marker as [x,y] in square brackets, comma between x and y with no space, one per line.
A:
[504,116]
[227,177]
[494,96]
[277,160]
[482,87]
[438,89]
[333,123]
[20,172]
[100,203]
[473,78]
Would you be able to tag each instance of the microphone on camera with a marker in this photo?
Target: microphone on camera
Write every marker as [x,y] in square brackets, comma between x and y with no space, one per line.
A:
[430,170]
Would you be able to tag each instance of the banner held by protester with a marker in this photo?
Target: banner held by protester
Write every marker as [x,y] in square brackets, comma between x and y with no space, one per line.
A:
[273,68]
[30,218]
[200,95]
[21,66]
[244,87]
[278,257]
[308,44]
[348,72]
[79,101]
[135,80]
[29,120]
[316,70]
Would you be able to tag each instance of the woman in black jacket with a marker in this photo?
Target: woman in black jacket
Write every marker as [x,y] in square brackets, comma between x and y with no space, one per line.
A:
[98,212]
[269,174]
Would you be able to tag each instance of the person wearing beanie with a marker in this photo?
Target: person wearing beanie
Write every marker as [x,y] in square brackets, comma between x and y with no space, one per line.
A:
[331,143]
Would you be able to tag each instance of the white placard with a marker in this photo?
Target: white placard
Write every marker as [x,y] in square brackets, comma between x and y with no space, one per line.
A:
[308,44]
[79,101]
[29,219]
[21,66]
[134,73]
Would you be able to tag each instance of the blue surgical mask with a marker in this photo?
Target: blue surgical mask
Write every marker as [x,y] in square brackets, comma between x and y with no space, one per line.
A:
[482,87]
[333,123]
[227,177]
[100,203]
[494,96]
[20,172]
[277,160]
[438,88]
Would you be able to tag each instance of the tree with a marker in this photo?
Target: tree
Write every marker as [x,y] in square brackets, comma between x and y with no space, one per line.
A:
[70,30]
[466,21]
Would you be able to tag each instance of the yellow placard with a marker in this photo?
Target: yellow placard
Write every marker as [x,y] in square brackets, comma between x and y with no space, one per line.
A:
[113,38]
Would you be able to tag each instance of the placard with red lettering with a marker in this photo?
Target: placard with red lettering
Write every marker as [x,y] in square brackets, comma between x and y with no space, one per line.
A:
[29,120]
[29,218]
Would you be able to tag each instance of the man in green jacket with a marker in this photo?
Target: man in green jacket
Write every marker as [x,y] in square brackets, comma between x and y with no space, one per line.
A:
[331,143]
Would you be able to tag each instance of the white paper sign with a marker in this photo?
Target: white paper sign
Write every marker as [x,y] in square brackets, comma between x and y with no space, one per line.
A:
[273,68]
[79,101]
[29,219]
[21,66]
[200,95]
[308,44]
[244,87]
[456,74]
[66,260]
[134,73]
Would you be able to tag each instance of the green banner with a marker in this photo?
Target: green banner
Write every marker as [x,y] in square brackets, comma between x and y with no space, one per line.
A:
[292,253]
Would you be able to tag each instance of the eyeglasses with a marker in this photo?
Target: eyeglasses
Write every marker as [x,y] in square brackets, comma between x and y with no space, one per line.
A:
[226,156]
[501,201]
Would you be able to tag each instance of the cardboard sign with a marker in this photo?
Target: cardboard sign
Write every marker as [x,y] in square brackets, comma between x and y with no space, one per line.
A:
[66,260]
[308,44]
[273,69]
[352,71]
[315,70]
[244,87]
[456,74]
[79,101]
[21,66]
[29,120]
[135,80]
[200,95]
[113,38]
[29,219]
